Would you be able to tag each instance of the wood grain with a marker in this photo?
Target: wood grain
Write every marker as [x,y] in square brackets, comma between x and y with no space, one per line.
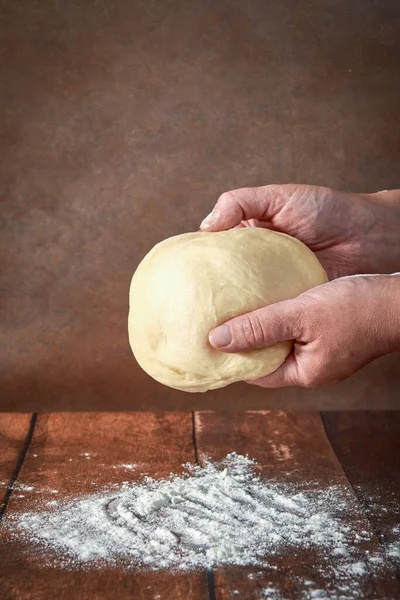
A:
[291,447]
[368,447]
[14,433]
[69,452]
[73,454]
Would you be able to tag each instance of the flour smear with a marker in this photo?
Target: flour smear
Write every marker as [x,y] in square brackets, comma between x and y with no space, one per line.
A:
[219,514]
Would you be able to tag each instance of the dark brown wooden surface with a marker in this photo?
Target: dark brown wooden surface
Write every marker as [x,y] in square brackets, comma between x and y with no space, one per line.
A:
[293,448]
[368,447]
[14,436]
[123,122]
[56,464]
[72,454]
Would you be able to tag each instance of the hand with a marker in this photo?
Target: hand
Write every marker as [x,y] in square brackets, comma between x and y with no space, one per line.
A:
[337,328]
[349,233]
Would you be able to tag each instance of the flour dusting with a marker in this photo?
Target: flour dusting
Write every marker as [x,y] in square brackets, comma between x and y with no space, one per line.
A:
[220,514]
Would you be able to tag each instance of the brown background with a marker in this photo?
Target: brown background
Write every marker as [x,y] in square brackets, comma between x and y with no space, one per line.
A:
[123,122]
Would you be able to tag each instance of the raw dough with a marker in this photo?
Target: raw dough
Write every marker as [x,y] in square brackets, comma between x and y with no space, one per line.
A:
[189,284]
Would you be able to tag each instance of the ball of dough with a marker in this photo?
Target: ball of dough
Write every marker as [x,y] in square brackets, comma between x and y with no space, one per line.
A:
[189,284]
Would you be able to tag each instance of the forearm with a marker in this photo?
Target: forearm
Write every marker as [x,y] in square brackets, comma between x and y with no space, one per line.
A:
[388,197]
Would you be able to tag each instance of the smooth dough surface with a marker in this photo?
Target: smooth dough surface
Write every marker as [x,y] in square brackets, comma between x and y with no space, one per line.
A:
[189,284]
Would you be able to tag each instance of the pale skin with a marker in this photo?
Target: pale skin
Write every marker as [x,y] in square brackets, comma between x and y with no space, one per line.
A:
[342,325]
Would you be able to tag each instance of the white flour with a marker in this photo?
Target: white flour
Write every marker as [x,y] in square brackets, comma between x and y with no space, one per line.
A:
[220,514]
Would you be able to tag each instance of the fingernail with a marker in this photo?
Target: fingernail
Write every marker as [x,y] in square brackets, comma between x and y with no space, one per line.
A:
[220,336]
[209,220]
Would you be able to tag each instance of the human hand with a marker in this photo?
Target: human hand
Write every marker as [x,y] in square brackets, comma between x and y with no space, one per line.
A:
[349,233]
[337,328]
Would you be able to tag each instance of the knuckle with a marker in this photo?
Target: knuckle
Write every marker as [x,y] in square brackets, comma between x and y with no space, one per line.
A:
[227,198]
[307,315]
[251,332]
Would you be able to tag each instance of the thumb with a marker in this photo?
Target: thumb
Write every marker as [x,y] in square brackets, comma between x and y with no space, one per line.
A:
[260,328]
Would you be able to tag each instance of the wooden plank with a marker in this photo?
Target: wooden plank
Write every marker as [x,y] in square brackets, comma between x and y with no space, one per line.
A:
[291,448]
[368,447]
[14,434]
[67,454]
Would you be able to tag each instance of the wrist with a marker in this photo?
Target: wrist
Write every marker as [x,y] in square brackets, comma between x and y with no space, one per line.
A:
[379,244]
[377,308]
[392,312]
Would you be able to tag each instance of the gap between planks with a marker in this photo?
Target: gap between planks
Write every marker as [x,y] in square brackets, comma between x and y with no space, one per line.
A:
[210,572]
[18,467]
[194,414]
[354,490]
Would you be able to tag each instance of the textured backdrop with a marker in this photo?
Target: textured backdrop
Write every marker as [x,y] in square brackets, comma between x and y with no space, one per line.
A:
[123,122]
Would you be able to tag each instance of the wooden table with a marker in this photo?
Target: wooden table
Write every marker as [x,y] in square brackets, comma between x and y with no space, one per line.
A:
[67,452]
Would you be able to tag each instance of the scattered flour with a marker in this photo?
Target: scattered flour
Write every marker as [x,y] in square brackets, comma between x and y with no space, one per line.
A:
[379,501]
[271,593]
[23,488]
[220,514]
[393,550]
[281,451]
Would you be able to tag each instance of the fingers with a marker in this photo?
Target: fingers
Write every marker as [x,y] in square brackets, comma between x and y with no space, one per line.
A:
[260,328]
[260,203]
[285,375]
